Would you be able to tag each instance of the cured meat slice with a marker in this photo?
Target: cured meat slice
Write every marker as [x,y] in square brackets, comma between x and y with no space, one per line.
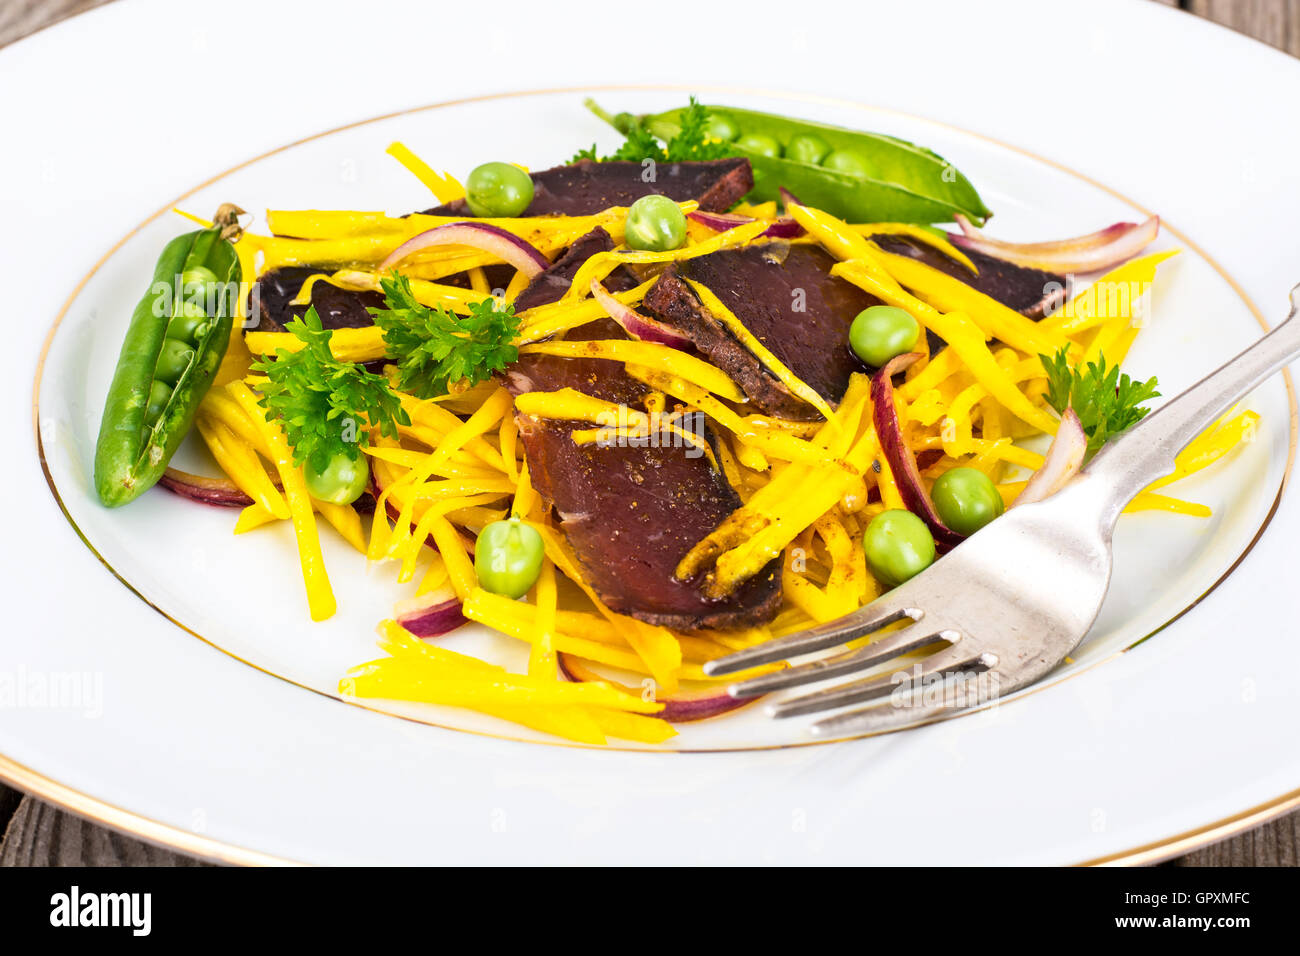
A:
[587,187]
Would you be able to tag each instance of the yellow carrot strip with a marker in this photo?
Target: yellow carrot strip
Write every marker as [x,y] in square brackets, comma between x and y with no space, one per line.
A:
[508,439]
[637,727]
[919,233]
[331,224]
[459,566]
[928,378]
[240,462]
[796,386]
[1211,445]
[952,295]
[541,659]
[478,607]
[435,576]
[1113,296]
[397,679]
[343,519]
[809,598]
[251,517]
[1150,501]
[656,646]
[347,345]
[435,295]
[650,355]
[570,722]
[778,444]
[518,282]
[544,321]
[443,185]
[525,497]
[438,419]
[320,596]
[890,496]
[964,338]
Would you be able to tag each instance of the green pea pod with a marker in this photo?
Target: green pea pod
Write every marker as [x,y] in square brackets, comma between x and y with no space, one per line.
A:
[896,181]
[137,439]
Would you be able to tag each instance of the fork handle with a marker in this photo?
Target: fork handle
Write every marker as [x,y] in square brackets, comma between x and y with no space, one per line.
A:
[1146,451]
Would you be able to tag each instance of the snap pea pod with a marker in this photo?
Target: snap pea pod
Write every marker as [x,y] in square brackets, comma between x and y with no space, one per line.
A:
[857,176]
[174,344]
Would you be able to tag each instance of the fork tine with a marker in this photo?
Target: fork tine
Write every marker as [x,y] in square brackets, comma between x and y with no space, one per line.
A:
[824,636]
[882,718]
[887,648]
[943,662]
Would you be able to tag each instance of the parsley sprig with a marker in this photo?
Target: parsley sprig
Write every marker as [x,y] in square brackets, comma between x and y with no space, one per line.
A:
[1106,401]
[434,348]
[321,402]
[691,144]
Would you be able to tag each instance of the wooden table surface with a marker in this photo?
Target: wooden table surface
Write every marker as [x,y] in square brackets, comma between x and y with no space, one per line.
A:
[38,834]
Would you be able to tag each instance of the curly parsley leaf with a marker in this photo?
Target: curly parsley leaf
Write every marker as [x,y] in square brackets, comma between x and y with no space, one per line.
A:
[1106,401]
[434,348]
[322,402]
[691,144]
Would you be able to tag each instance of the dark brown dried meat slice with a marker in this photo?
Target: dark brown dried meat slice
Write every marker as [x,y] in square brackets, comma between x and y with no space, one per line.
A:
[632,513]
[550,285]
[786,297]
[587,187]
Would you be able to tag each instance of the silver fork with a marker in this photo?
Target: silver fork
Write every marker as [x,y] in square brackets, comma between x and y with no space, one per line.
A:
[1007,605]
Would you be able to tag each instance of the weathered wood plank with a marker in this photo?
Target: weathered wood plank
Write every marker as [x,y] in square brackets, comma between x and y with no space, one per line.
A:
[40,835]
[1275,22]
[21,17]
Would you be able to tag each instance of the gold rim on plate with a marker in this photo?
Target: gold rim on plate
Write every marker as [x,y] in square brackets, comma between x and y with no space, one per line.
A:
[199,845]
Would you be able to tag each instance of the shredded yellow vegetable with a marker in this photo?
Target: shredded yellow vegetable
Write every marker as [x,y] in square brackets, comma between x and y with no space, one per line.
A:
[807,490]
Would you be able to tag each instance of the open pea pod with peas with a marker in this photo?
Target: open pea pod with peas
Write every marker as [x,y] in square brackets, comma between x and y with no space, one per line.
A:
[857,176]
[174,345]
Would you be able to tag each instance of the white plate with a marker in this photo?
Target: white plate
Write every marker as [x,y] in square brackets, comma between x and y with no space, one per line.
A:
[1112,753]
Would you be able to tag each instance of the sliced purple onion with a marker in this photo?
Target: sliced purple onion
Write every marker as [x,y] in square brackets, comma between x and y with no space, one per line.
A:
[722,221]
[506,246]
[1063,461]
[634,323]
[1091,253]
[679,708]
[218,492]
[425,619]
[889,430]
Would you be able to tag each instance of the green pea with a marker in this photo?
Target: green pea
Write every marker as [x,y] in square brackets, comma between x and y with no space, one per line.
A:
[881,332]
[498,189]
[721,126]
[187,323]
[898,546]
[199,287]
[808,148]
[341,481]
[508,557]
[655,224]
[849,162]
[966,499]
[159,394]
[759,143]
[173,360]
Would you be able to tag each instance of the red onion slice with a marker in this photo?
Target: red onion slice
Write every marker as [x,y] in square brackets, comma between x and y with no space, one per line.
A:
[506,246]
[889,430]
[634,323]
[1063,461]
[430,616]
[1091,253]
[218,492]
[722,221]
[682,707]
